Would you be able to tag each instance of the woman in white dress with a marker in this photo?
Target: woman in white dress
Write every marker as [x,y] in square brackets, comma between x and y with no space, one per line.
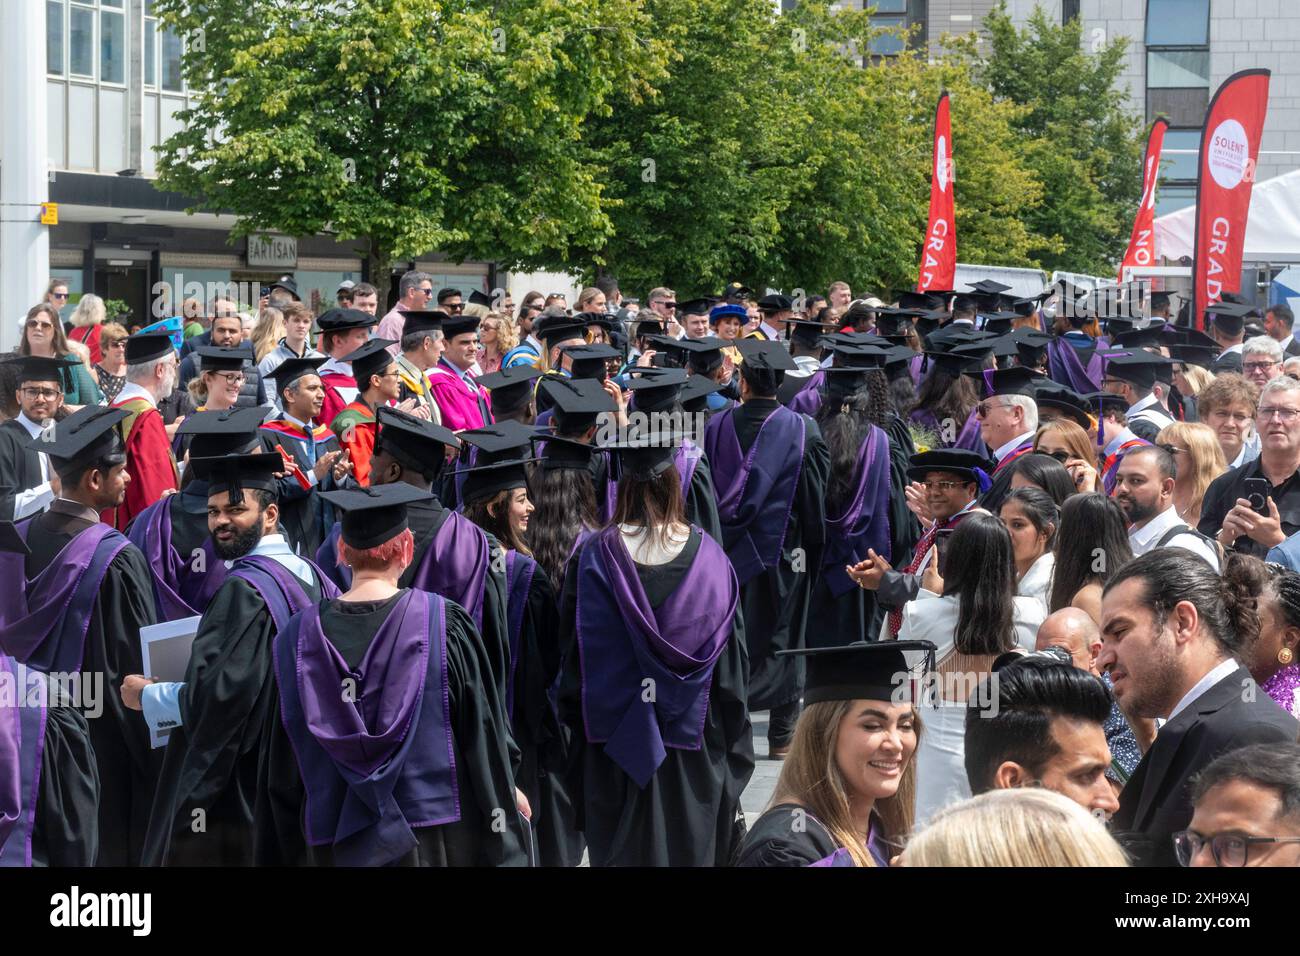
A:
[1031,516]
[969,609]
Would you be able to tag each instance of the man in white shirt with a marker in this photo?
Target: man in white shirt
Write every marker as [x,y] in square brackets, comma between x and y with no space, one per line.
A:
[27,483]
[1171,629]
[1144,490]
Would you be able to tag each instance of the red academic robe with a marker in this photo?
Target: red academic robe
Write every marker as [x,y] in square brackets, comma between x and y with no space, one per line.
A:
[149,462]
[336,400]
[459,404]
[355,427]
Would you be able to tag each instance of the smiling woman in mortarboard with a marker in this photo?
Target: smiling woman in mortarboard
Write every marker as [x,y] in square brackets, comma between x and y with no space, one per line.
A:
[658,775]
[846,795]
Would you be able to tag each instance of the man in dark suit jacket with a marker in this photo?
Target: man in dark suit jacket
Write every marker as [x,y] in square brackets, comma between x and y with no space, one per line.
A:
[1171,628]
[1279,322]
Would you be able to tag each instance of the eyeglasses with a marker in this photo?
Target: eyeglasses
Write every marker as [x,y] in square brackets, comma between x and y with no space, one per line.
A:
[46,393]
[232,378]
[1228,849]
[943,485]
[119,344]
[1259,366]
[983,408]
[40,325]
[1283,414]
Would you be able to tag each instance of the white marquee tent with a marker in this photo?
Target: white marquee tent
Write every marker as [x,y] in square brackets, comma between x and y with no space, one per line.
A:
[1272,230]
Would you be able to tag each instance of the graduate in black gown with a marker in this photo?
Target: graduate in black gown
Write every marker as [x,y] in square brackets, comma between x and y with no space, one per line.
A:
[322,466]
[770,466]
[657,768]
[655,394]
[410,765]
[453,557]
[858,495]
[847,793]
[44,750]
[86,598]
[24,478]
[496,499]
[203,810]
[173,532]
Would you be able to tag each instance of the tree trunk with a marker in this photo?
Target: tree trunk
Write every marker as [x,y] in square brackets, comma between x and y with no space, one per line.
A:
[380,263]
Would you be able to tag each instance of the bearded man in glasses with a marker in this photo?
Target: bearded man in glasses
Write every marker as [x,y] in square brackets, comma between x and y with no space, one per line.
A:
[1228,512]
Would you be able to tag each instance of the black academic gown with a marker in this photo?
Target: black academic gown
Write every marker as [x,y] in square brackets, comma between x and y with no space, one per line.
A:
[775,603]
[701,501]
[425,518]
[20,467]
[203,810]
[128,769]
[305,517]
[542,740]
[480,732]
[66,829]
[786,835]
[686,814]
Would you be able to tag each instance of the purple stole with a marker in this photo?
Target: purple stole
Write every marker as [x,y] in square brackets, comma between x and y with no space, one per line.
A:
[22,742]
[456,564]
[864,522]
[622,641]
[279,587]
[178,591]
[808,399]
[45,627]
[875,846]
[756,491]
[519,578]
[1066,368]
[378,764]
[914,367]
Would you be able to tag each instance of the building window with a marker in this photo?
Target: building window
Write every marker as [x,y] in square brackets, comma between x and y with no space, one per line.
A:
[1173,198]
[112,46]
[1069,11]
[1178,23]
[150,52]
[170,62]
[54,37]
[888,15]
[81,41]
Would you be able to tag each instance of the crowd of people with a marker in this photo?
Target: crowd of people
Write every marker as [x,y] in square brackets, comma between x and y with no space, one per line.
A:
[1012,580]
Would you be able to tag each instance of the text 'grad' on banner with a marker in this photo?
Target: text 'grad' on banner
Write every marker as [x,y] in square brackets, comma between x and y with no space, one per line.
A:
[1142,243]
[939,253]
[1234,124]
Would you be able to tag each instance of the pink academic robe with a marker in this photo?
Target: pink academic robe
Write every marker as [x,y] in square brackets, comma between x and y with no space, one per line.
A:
[458,402]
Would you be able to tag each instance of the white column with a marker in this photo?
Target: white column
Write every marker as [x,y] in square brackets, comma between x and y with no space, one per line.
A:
[24,176]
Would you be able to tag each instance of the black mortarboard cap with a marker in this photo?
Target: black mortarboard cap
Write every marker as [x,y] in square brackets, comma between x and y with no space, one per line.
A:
[965,358]
[341,320]
[886,671]
[999,322]
[1054,395]
[454,325]
[804,331]
[646,456]
[480,298]
[40,368]
[1149,337]
[230,431]
[376,514]
[703,355]
[371,359]
[695,307]
[234,473]
[509,388]
[488,480]
[500,441]
[649,326]
[590,361]
[1137,367]
[213,358]
[925,301]
[147,346]
[294,368]
[956,461]
[84,436]
[1017,380]
[1229,316]
[776,302]
[554,329]
[656,389]
[413,442]
[694,395]
[771,356]
[577,401]
[1201,355]
[988,287]
[558,452]
[422,320]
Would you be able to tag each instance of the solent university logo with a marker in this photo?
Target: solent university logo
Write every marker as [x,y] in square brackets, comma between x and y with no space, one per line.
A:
[77,909]
[1229,154]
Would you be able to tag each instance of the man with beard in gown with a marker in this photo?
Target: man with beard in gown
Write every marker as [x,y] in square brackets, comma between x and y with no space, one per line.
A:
[203,810]
[770,467]
[73,608]
[387,742]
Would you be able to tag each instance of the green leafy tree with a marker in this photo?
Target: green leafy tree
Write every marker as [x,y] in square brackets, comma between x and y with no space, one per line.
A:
[1077,133]
[410,124]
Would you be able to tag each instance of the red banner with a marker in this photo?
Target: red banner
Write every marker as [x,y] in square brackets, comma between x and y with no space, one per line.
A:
[939,254]
[1229,152]
[1142,243]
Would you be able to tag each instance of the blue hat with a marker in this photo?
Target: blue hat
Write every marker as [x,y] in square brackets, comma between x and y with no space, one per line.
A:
[721,311]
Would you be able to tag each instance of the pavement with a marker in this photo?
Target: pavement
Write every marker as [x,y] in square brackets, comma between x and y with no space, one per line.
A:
[759,792]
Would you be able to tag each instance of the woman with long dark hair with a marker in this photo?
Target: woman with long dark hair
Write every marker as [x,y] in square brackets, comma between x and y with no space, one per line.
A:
[945,403]
[1031,517]
[496,499]
[969,609]
[855,405]
[1045,473]
[564,504]
[1091,545]
[654,684]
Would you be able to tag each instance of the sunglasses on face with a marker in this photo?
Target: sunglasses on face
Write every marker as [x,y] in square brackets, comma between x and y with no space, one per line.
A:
[58,295]
[426,292]
[1060,455]
[40,325]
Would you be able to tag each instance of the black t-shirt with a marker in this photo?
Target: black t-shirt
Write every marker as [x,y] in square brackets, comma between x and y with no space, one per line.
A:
[1222,495]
